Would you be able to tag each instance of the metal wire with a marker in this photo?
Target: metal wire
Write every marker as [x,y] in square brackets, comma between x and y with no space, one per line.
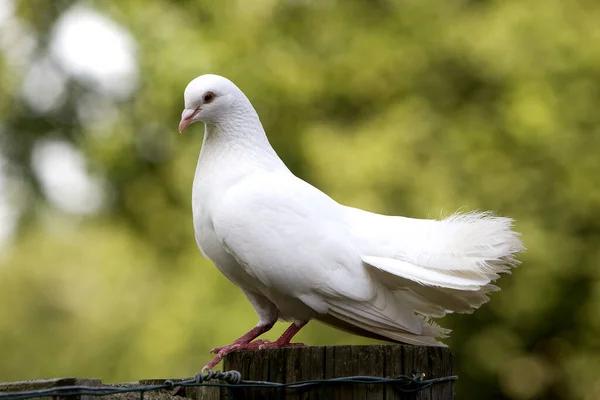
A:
[228,379]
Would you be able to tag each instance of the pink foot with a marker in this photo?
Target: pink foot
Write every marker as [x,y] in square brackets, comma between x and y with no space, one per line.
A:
[244,343]
[223,351]
[256,345]
[239,346]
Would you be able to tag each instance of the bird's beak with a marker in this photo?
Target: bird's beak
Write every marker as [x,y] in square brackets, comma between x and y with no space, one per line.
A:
[187,117]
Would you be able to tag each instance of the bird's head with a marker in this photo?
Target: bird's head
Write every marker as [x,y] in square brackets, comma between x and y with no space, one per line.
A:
[209,98]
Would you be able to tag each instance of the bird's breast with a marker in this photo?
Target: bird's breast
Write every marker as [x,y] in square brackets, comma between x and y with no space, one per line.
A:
[206,193]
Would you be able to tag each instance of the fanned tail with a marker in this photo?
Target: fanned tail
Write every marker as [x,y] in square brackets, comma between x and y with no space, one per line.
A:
[434,267]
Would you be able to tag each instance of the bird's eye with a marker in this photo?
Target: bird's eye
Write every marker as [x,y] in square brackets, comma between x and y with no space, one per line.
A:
[208,97]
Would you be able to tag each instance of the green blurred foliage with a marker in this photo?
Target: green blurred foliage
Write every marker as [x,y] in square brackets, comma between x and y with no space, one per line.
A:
[406,107]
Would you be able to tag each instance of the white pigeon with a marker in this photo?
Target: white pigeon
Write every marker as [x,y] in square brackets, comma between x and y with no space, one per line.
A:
[298,255]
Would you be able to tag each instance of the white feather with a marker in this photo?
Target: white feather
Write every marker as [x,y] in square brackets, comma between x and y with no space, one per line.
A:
[423,275]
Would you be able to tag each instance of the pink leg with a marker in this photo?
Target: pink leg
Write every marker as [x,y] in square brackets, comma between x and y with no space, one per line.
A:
[240,344]
[285,338]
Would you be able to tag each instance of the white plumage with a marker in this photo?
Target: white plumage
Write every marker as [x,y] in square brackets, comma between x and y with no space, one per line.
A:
[299,255]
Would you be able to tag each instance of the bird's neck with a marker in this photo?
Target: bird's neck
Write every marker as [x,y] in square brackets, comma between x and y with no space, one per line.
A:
[237,146]
[241,128]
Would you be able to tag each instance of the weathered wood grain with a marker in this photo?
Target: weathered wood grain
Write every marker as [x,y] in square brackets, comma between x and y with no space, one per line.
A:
[307,363]
[298,364]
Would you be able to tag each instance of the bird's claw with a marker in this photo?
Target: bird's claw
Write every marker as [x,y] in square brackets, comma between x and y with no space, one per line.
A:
[255,345]
[223,351]
[230,347]
[217,359]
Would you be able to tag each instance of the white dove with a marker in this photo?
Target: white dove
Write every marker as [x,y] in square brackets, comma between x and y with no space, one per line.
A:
[299,255]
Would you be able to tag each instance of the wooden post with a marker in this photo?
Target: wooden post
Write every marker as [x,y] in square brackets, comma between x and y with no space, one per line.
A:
[293,365]
[307,363]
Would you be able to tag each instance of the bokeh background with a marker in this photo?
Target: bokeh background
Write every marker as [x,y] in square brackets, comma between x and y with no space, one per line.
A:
[407,107]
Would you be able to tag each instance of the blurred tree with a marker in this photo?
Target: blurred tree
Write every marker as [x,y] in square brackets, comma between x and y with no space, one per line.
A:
[402,107]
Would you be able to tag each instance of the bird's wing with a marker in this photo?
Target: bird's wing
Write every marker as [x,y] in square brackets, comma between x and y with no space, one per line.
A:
[293,238]
[286,235]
